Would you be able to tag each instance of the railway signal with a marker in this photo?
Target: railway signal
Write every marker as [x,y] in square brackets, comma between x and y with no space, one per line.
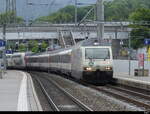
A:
[147,41]
[9,52]
[16,46]
[2,44]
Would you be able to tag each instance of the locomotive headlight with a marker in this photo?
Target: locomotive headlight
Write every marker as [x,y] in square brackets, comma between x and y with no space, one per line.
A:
[88,68]
[108,68]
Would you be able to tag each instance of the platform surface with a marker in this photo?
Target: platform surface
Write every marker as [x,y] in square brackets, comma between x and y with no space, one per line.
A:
[15,92]
[9,90]
[122,71]
[140,79]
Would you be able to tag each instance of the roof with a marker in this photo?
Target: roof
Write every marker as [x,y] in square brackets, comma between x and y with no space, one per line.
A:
[54,35]
[30,35]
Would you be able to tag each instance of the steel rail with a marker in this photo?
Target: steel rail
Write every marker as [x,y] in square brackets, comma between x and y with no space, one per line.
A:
[131,92]
[130,100]
[122,97]
[52,104]
[75,100]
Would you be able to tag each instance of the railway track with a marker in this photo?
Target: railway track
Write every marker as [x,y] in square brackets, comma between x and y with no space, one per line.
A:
[126,93]
[58,98]
[129,96]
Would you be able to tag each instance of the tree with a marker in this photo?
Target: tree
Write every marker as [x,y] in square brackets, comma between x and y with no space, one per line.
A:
[22,48]
[119,10]
[44,45]
[115,10]
[33,46]
[9,17]
[66,15]
[82,12]
[56,18]
[140,31]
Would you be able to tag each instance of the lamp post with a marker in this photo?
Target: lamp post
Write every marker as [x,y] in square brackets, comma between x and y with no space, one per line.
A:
[76,13]
[40,46]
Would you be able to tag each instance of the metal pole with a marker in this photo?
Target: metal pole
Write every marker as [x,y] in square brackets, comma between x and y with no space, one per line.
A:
[1,77]
[86,15]
[95,13]
[143,65]
[76,13]
[9,7]
[6,8]
[100,17]
[14,10]
[129,57]
[1,53]
[4,50]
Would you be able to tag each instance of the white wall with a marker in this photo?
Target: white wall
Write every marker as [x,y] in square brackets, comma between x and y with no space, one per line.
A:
[122,66]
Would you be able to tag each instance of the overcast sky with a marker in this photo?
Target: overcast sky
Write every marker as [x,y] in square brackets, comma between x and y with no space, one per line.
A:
[32,12]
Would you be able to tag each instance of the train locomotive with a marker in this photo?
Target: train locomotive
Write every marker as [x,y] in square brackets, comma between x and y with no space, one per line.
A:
[86,61]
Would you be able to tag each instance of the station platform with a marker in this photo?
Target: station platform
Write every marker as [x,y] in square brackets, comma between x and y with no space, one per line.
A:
[142,82]
[17,92]
[121,73]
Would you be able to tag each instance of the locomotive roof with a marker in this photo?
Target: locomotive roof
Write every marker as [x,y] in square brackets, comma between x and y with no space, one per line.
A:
[87,42]
[94,42]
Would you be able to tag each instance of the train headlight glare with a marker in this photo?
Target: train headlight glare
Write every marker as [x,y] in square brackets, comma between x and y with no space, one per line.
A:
[108,68]
[88,68]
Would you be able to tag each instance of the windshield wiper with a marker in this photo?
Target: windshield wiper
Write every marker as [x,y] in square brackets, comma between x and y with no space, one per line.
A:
[105,58]
[90,58]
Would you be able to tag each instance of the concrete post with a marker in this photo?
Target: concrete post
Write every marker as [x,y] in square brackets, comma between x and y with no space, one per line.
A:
[100,17]
[76,12]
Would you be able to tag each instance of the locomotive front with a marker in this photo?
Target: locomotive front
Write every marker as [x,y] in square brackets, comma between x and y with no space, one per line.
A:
[97,64]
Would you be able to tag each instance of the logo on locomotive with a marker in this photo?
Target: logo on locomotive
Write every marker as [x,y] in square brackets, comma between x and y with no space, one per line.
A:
[91,63]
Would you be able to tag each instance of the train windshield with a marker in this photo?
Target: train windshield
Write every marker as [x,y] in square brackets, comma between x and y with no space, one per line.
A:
[97,53]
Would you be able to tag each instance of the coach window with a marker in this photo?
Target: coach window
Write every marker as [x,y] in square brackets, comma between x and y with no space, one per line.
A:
[30,60]
[36,60]
[64,57]
[45,59]
[58,59]
[52,59]
[41,60]
[68,58]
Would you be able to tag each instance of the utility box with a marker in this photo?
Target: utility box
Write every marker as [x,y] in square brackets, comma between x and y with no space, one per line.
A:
[141,72]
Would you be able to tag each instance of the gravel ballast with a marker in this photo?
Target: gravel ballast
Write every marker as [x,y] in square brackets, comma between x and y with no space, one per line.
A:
[98,101]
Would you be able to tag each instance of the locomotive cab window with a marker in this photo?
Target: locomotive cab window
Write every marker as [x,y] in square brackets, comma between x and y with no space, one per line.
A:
[97,53]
